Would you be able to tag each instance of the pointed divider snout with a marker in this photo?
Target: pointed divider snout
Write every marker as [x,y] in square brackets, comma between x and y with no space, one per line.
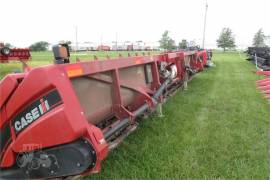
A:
[265,73]
[267,97]
[266,92]
[264,88]
[264,83]
[263,80]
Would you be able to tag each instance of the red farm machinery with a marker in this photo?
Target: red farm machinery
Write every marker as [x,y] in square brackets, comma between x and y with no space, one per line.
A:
[13,54]
[62,120]
[260,56]
[264,84]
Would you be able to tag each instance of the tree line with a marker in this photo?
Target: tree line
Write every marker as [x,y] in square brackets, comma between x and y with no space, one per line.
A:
[43,45]
[226,40]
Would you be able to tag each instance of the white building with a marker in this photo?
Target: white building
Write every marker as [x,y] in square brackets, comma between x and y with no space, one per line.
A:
[84,46]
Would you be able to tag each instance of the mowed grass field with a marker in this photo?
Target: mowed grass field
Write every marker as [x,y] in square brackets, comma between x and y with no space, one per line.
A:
[218,129]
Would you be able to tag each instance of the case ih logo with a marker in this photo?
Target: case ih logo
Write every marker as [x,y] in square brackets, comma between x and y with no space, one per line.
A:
[31,116]
[34,111]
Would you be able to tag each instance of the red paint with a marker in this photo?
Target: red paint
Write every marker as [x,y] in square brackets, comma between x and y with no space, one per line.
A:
[16,54]
[67,122]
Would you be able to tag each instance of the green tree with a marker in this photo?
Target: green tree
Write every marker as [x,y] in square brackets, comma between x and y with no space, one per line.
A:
[68,42]
[226,39]
[39,46]
[258,40]
[183,44]
[166,42]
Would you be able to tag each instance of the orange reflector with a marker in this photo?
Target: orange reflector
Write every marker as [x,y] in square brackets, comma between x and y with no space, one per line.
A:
[138,61]
[74,71]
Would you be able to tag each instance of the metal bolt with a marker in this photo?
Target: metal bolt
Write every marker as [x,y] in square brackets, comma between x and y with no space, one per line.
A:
[102,141]
[52,171]
[43,165]
[78,164]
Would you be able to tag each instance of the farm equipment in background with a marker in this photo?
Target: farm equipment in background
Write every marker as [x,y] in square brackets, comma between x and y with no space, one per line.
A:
[260,56]
[13,54]
[62,120]
[104,48]
[264,84]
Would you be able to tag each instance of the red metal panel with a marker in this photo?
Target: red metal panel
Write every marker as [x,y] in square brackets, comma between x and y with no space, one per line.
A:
[266,73]
[7,86]
[93,67]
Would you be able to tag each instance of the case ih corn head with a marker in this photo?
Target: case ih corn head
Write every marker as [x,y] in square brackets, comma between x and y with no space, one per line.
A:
[264,84]
[62,120]
[260,56]
[14,54]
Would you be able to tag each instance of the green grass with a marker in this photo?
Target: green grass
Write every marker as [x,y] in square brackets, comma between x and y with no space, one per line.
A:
[219,128]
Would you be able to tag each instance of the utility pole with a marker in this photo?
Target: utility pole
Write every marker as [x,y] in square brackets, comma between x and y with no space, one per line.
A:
[76,35]
[204,26]
[116,41]
[101,38]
